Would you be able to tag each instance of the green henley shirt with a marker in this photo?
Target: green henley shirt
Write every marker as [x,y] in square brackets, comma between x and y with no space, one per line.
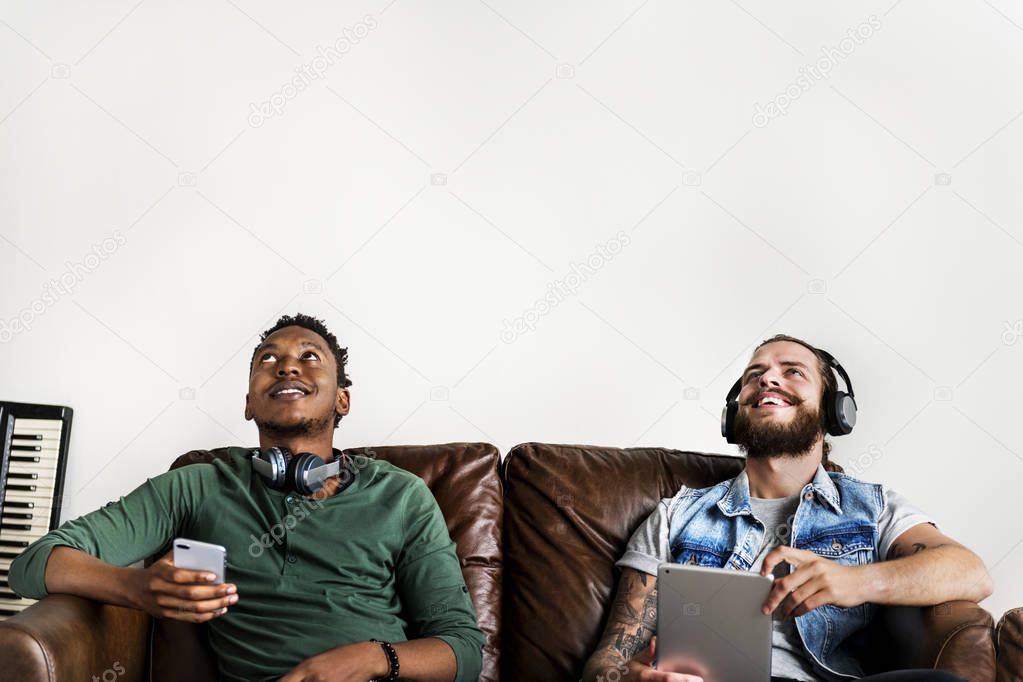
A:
[374,561]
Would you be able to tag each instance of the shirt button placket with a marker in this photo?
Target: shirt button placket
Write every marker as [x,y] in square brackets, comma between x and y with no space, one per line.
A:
[289,557]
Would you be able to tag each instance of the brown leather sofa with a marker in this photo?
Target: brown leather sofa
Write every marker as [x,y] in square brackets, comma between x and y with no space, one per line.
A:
[1009,641]
[537,539]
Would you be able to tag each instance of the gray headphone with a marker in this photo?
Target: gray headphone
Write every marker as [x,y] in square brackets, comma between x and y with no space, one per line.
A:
[303,473]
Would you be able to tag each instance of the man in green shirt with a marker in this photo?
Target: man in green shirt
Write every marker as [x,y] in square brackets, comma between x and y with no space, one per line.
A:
[311,578]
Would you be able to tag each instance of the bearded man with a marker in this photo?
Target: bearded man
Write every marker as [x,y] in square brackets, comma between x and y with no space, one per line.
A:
[781,515]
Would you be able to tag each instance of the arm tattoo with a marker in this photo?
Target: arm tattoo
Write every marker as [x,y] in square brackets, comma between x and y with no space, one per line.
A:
[635,626]
[645,623]
[898,551]
[631,625]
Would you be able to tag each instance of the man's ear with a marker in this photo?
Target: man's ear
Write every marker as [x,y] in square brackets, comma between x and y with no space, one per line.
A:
[343,401]
[248,412]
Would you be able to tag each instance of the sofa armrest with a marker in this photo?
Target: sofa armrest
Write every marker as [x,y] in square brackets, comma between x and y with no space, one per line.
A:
[1009,639]
[63,638]
[957,636]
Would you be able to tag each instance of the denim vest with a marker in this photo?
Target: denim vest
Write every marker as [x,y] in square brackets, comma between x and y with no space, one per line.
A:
[836,519]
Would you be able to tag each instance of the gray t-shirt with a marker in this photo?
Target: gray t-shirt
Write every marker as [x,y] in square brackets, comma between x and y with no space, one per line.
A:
[788,657]
[649,547]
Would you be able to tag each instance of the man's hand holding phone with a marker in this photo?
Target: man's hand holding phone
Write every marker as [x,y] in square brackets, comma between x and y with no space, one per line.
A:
[166,591]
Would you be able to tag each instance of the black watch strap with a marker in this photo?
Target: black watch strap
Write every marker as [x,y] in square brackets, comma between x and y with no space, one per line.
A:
[392,660]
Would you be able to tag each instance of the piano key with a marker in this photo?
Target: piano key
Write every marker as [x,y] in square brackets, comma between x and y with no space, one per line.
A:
[40,514]
[19,505]
[32,534]
[44,465]
[40,500]
[25,448]
[16,605]
[14,515]
[24,458]
[23,476]
[47,476]
[43,476]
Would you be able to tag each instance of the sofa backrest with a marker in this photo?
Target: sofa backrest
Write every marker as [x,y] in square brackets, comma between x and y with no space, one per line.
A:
[569,512]
[464,478]
[1009,637]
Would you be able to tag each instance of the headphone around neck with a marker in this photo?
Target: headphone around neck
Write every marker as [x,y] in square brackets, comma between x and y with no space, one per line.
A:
[839,409]
[303,473]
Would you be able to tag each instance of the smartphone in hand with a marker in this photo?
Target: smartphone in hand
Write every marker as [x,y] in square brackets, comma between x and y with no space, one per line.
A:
[200,556]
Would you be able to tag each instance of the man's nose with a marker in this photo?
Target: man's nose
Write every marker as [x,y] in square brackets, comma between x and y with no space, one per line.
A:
[287,365]
[770,377]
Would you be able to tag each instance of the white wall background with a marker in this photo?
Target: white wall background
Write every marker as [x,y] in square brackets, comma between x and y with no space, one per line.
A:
[463,156]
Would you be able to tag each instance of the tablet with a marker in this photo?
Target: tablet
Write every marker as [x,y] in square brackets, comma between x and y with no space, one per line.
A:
[709,623]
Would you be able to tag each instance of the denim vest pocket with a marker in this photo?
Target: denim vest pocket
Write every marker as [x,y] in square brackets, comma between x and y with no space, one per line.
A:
[850,546]
[693,553]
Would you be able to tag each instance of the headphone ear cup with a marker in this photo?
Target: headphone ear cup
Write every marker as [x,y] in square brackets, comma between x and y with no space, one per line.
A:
[728,413]
[841,414]
[299,472]
[278,461]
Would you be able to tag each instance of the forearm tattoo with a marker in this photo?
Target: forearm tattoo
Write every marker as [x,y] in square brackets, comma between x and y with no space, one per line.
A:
[635,621]
[898,551]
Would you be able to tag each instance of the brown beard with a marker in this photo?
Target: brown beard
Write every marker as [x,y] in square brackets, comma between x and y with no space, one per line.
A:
[303,427]
[764,439]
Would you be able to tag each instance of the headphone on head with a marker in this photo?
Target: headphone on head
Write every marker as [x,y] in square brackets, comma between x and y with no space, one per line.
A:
[303,473]
[839,408]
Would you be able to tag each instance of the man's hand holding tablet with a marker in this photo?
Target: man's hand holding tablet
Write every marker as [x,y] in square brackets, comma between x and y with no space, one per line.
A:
[642,663]
[813,582]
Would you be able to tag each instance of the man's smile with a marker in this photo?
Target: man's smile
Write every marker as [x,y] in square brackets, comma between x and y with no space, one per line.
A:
[771,400]
[289,390]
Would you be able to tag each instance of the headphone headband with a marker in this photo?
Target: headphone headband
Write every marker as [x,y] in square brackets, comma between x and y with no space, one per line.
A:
[837,366]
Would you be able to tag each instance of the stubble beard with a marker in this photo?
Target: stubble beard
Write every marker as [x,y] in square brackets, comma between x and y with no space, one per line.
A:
[309,426]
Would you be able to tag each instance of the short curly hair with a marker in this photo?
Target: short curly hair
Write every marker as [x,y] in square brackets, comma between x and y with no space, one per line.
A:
[319,327]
